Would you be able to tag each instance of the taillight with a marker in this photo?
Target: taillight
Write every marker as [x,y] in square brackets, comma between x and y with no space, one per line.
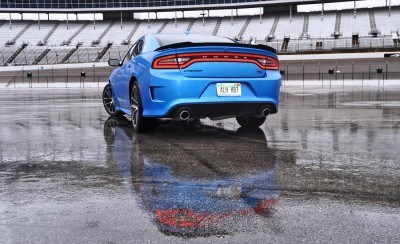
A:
[185,60]
[166,62]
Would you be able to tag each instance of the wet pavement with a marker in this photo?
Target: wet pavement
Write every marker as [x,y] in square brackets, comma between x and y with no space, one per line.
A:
[325,169]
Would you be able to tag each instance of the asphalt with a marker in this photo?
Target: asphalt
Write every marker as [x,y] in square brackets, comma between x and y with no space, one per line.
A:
[325,169]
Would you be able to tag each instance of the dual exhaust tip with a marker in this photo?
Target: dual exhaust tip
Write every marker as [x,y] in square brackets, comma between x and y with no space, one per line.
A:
[184,114]
[265,112]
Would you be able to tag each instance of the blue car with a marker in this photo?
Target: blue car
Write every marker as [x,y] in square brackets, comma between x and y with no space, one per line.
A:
[190,76]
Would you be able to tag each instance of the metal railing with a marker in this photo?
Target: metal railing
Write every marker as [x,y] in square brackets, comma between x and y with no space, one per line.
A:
[324,74]
[335,71]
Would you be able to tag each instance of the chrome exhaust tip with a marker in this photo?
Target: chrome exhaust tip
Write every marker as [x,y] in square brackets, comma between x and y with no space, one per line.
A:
[184,115]
[265,112]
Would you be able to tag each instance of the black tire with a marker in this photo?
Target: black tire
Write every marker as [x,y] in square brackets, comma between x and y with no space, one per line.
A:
[250,121]
[108,101]
[139,123]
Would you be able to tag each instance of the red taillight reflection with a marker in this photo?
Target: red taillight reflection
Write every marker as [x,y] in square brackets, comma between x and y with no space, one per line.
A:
[179,218]
[185,60]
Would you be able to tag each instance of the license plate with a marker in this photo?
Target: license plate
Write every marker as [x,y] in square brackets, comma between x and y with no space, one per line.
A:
[229,89]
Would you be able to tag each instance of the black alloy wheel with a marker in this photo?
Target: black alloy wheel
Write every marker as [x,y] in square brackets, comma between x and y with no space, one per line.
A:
[139,123]
[108,101]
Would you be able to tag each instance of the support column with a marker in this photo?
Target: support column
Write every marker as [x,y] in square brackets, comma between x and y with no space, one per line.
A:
[67,22]
[290,14]
[10,21]
[261,15]
[176,23]
[121,19]
[231,16]
[390,7]
[355,9]
[94,20]
[148,20]
[38,20]
[322,10]
[202,14]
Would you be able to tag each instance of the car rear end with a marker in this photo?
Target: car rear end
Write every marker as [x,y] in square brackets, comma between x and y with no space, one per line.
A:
[212,79]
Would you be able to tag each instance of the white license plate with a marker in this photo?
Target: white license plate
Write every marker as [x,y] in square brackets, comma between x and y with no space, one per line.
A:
[229,89]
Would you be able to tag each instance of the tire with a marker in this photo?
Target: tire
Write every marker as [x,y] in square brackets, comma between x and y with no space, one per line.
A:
[140,124]
[250,121]
[108,101]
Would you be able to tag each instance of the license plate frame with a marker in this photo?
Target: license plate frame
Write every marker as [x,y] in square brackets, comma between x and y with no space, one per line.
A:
[229,89]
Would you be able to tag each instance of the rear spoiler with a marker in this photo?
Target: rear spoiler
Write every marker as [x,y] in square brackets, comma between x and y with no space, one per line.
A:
[235,44]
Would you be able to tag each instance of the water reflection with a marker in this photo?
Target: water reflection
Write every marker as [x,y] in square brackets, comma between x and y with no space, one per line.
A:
[196,180]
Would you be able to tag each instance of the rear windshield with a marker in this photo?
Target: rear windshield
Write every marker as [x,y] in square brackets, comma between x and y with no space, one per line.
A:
[168,39]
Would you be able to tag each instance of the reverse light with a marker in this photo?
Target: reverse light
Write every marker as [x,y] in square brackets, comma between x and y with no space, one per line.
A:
[185,60]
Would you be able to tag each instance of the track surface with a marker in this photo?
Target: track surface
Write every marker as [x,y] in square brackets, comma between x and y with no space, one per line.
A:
[325,169]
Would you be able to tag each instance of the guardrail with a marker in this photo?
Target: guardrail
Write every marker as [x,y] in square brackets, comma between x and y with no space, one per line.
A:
[325,75]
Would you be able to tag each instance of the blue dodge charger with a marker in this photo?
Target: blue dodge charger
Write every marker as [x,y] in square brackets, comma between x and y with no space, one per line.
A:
[190,76]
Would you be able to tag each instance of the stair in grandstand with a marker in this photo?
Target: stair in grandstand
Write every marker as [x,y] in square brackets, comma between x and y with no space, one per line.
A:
[336,31]
[246,24]
[191,24]
[41,56]
[319,45]
[395,38]
[304,34]
[44,41]
[127,41]
[374,31]
[15,54]
[355,42]
[163,26]
[98,40]
[216,28]
[69,54]
[68,41]
[271,34]
[285,43]
[103,52]
[12,41]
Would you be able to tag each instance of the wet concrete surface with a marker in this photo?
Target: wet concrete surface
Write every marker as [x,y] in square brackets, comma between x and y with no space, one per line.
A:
[325,169]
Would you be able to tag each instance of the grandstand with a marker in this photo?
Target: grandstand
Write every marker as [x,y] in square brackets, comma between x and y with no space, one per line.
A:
[49,42]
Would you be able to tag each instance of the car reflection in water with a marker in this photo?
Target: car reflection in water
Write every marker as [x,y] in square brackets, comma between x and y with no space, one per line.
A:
[197,180]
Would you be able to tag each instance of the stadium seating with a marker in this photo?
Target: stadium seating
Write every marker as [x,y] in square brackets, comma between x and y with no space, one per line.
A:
[85,41]
[258,30]
[207,28]
[230,28]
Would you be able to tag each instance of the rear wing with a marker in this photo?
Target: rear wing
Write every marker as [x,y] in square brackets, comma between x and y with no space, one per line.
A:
[235,44]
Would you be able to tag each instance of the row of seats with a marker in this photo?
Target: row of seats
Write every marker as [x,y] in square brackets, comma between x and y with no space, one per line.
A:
[55,55]
[258,29]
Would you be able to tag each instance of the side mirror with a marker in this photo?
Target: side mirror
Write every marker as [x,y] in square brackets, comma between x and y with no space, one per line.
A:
[114,62]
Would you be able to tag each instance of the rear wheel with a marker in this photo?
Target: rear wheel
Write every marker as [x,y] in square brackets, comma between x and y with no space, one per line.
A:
[139,123]
[250,121]
[108,101]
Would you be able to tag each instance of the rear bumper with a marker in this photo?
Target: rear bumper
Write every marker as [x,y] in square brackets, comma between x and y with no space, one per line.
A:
[165,93]
[215,110]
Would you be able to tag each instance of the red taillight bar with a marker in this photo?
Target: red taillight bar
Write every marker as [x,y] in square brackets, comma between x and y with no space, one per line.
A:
[185,60]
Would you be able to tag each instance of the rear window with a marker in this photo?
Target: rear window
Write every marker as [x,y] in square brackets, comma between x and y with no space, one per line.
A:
[168,39]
